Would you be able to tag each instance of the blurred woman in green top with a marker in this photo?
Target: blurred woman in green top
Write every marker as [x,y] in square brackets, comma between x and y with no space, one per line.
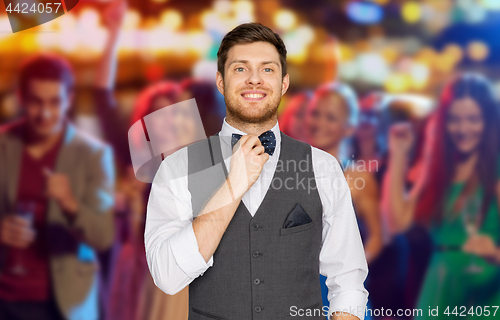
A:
[457,199]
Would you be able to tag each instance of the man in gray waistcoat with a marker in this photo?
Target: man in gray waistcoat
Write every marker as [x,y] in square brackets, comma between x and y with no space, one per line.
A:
[250,218]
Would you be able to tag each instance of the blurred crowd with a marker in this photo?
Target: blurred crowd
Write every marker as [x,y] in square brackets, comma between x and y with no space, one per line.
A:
[423,173]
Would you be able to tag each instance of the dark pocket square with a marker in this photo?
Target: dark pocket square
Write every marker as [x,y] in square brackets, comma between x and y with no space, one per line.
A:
[296,217]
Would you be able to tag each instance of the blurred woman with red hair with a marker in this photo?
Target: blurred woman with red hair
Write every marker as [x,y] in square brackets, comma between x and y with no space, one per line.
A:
[331,119]
[133,294]
[291,120]
[456,199]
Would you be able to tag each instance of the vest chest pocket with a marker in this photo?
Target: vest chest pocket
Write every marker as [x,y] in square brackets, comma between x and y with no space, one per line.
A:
[303,227]
[207,314]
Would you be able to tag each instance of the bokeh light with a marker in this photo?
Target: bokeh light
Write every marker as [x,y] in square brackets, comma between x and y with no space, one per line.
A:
[477,50]
[171,19]
[364,12]
[411,11]
[88,19]
[285,19]
[372,59]
[419,75]
[222,6]
[397,82]
[490,4]
[454,51]
[132,20]
[243,6]
[373,68]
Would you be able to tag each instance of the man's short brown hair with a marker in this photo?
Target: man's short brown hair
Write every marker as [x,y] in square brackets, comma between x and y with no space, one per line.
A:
[249,33]
[45,66]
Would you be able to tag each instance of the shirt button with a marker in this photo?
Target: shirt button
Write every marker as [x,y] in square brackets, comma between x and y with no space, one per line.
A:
[256,254]
[258,309]
[256,281]
[255,226]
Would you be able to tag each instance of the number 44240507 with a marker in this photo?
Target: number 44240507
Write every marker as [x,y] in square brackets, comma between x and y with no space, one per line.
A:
[473,311]
[40,8]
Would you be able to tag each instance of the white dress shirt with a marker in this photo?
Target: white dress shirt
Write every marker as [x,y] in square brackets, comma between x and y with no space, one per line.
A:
[172,249]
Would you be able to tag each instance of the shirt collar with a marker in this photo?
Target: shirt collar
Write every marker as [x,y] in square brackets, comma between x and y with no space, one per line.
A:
[227,131]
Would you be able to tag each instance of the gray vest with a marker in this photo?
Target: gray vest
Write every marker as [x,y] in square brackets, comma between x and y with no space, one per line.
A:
[261,270]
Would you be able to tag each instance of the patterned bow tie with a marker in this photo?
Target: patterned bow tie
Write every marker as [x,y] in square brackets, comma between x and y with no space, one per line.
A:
[268,140]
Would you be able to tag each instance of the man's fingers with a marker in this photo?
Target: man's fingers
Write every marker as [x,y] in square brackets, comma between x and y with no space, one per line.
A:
[249,141]
[18,237]
[24,236]
[16,229]
[254,141]
[243,139]
[261,158]
[16,221]
[19,243]
[264,156]
[239,143]
[259,149]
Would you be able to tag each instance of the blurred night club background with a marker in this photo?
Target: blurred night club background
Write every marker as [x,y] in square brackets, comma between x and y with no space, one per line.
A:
[398,56]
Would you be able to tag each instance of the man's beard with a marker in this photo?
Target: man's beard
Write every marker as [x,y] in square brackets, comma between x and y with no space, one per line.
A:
[241,113]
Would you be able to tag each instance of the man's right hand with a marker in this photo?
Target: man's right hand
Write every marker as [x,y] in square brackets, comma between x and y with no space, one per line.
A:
[248,159]
[114,14]
[16,232]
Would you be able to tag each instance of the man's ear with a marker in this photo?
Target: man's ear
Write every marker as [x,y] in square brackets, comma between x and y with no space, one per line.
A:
[285,84]
[220,82]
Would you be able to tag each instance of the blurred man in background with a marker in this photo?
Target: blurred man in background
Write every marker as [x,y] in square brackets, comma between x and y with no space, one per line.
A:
[56,191]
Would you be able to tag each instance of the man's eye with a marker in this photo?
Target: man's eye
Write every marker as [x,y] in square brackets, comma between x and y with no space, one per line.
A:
[268,70]
[239,69]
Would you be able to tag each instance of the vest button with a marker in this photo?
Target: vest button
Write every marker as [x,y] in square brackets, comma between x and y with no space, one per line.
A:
[255,226]
[256,281]
[256,254]
[258,309]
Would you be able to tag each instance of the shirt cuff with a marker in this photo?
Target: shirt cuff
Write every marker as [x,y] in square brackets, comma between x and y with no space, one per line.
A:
[353,302]
[185,249]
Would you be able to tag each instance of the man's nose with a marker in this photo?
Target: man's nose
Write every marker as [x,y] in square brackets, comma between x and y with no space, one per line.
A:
[254,78]
[46,112]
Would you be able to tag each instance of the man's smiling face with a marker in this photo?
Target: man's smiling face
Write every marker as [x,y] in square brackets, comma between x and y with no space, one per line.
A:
[252,84]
